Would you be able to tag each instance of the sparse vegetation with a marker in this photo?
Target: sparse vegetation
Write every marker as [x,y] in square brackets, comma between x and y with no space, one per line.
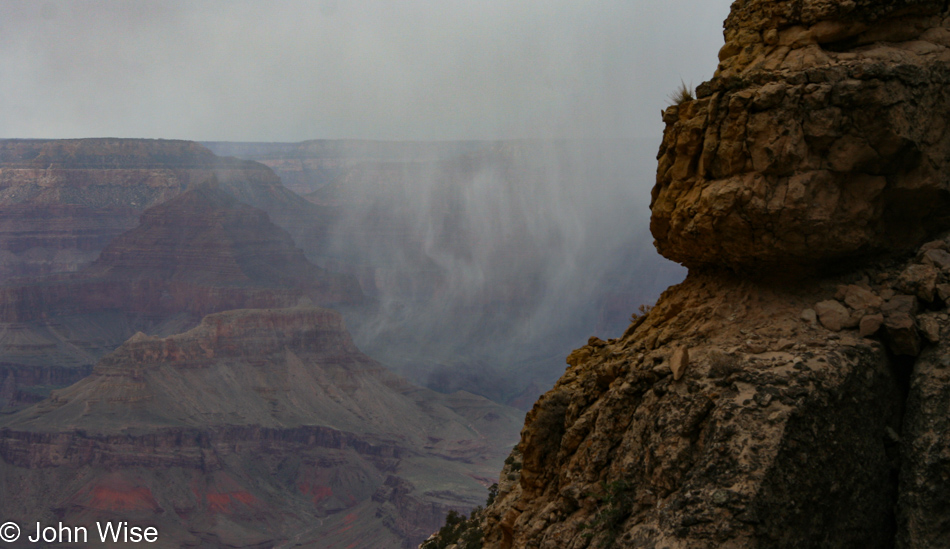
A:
[492,494]
[643,311]
[461,531]
[682,94]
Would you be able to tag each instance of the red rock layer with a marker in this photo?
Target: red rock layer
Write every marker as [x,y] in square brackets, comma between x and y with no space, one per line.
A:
[61,201]
[267,419]
[201,252]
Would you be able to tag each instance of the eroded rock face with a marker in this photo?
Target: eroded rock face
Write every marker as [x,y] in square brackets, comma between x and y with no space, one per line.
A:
[780,423]
[771,437]
[743,412]
[62,201]
[821,139]
[263,425]
[201,252]
[198,253]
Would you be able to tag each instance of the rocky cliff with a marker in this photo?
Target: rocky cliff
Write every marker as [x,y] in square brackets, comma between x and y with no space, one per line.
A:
[821,140]
[62,201]
[255,428]
[792,391]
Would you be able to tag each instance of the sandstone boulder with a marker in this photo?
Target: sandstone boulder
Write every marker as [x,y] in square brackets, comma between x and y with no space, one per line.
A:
[901,303]
[832,315]
[943,292]
[938,258]
[920,280]
[929,327]
[870,324]
[679,362]
[861,299]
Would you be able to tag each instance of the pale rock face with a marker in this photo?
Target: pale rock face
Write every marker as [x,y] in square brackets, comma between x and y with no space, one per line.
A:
[775,424]
[822,139]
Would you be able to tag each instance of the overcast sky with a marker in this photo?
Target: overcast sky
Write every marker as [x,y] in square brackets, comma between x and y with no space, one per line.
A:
[307,69]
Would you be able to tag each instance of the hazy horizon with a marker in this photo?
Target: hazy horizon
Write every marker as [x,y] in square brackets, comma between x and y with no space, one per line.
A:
[325,69]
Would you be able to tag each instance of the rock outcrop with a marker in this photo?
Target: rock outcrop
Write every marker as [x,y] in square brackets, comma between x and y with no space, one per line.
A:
[201,252]
[821,139]
[792,391]
[256,427]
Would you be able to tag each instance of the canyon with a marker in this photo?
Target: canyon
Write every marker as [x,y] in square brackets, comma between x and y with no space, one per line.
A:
[490,260]
[791,392]
[200,252]
[256,428]
[169,356]
[457,304]
[186,373]
[62,201]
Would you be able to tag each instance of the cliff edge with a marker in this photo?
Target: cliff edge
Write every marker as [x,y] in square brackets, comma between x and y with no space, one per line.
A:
[792,391]
[821,140]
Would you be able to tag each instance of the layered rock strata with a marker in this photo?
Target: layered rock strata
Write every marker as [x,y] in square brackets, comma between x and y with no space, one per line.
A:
[255,428]
[198,253]
[821,139]
[792,391]
[62,201]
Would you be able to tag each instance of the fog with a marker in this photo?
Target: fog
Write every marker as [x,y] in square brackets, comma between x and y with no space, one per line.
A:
[294,70]
[489,255]
[490,261]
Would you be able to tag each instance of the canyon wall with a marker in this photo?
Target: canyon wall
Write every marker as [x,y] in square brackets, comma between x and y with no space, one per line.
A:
[790,392]
[62,201]
[256,427]
[200,252]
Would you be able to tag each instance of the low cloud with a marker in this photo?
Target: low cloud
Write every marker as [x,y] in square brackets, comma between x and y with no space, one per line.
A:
[295,70]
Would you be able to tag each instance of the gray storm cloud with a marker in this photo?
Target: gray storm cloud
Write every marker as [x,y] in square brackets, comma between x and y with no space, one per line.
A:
[295,70]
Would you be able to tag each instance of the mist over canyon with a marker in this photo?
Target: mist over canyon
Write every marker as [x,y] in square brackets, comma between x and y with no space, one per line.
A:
[489,260]
[470,268]
[291,275]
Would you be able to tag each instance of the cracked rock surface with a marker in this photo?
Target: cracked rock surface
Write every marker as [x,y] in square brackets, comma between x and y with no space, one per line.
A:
[822,139]
[792,392]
